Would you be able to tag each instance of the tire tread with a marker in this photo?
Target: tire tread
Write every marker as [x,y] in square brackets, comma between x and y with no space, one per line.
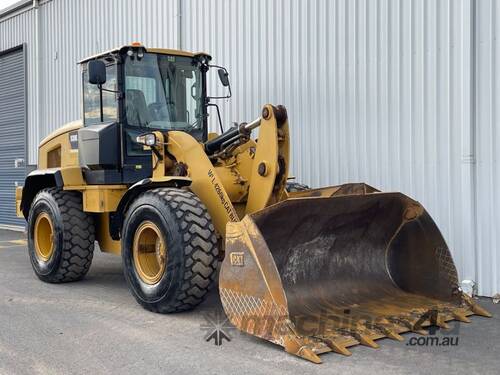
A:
[200,249]
[78,237]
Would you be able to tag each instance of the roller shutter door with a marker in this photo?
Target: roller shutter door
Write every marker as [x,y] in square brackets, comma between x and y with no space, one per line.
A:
[12,133]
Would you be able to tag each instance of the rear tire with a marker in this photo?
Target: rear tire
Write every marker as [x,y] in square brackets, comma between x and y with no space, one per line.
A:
[178,278]
[60,236]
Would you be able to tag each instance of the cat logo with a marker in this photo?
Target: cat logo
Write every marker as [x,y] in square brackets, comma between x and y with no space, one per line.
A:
[237,259]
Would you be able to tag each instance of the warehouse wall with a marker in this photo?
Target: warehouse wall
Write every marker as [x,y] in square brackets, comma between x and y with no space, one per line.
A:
[69,31]
[73,30]
[377,91]
[487,117]
[380,91]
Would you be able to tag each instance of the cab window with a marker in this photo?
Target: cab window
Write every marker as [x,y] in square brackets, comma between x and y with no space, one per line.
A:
[91,100]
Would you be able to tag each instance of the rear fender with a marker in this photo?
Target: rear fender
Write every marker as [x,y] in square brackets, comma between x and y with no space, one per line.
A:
[37,180]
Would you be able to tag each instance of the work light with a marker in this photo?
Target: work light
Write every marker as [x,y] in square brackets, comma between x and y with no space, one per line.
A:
[148,139]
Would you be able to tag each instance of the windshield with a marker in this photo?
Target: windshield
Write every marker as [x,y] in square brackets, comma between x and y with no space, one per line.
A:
[163,92]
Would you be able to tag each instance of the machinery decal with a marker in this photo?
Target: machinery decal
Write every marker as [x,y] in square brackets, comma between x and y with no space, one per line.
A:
[233,216]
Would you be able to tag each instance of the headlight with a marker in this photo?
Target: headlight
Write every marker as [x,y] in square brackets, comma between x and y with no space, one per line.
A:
[148,139]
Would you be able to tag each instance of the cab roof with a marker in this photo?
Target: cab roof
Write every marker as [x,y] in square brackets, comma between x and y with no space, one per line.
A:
[164,51]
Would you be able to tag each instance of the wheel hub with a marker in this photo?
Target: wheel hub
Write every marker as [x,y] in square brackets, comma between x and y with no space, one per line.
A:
[149,253]
[44,237]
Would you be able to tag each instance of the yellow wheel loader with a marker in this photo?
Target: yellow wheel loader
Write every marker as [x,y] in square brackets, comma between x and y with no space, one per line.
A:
[312,270]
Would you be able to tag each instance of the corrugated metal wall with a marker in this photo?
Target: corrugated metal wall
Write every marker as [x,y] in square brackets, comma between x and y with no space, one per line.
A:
[73,30]
[379,91]
[487,117]
[68,32]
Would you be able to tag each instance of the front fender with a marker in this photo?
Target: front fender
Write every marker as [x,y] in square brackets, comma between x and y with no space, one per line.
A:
[116,218]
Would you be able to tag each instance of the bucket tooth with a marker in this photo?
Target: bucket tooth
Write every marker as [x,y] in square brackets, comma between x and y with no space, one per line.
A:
[361,334]
[460,316]
[294,345]
[336,347]
[391,334]
[410,326]
[308,354]
[441,323]
[385,328]
[365,340]
[475,308]
[427,318]
[478,310]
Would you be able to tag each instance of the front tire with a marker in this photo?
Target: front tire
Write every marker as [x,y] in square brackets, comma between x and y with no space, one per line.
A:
[169,250]
[60,236]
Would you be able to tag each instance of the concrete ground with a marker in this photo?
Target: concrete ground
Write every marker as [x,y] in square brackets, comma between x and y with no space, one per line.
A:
[95,326]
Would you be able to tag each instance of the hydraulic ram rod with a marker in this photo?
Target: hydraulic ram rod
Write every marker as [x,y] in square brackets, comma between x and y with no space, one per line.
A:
[231,136]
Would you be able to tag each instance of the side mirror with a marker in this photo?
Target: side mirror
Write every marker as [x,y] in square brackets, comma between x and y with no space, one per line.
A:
[97,72]
[224,77]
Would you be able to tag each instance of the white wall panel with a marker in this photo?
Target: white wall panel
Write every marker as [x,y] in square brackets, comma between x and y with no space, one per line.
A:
[72,30]
[377,91]
[487,145]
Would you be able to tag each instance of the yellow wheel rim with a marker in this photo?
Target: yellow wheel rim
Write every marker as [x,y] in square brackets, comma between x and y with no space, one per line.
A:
[44,237]
[149,252]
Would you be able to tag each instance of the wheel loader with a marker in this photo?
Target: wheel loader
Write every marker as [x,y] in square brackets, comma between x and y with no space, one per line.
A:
[140,176]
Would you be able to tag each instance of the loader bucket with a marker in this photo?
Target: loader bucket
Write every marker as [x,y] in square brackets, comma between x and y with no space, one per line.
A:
[338,267]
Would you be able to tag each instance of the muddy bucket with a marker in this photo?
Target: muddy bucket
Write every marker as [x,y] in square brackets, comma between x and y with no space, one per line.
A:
[338,267]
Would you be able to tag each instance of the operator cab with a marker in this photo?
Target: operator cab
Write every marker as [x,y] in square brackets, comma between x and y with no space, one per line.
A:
[131,91]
